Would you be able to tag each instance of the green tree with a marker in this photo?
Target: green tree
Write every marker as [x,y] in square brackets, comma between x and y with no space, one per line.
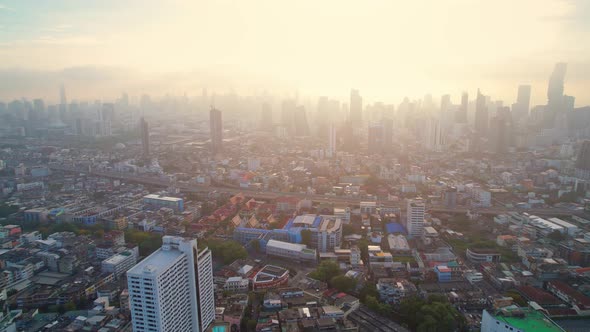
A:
[343,283]
[369,289]
[326,271]
[227,251]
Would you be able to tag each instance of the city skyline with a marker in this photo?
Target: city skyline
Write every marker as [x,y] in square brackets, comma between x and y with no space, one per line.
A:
[258,48]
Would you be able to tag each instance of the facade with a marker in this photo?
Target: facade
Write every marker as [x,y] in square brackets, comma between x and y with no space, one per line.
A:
[415,217]
[236,285]
[164,289]
[270,277]
[292,251]
[482,255]
[356,108]
[175,203]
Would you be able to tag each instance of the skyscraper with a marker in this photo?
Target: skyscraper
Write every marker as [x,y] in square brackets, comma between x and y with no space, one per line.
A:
[555,87]
[415,217]
[301,125]
[376,138]
[461,116]
[216,130]
[63,103]
[172,289]
[145,137]
[266,117]
[583,161]
[356,109]
[481,115]
[523,101]
[434,136]
[331,140]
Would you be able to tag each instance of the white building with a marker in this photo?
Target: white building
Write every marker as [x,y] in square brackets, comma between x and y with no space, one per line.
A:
[293,251]
[119,264]
[168,289]
[332,141]
[236,285]
[415,217]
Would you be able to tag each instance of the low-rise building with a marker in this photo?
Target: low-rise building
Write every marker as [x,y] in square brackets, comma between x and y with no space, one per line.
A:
[292,251]
[393,291]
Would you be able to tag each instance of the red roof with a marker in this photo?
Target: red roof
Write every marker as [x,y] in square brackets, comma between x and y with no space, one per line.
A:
[579,298]
[538,295]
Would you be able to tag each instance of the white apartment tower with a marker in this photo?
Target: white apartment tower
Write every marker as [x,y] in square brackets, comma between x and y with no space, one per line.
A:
[172,289]
[415,217]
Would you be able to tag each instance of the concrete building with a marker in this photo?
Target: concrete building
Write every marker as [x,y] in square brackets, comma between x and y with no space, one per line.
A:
[172,289]
[393,291]
[119,264]
[415,217]
[236,285]
[291,251]
[157,201]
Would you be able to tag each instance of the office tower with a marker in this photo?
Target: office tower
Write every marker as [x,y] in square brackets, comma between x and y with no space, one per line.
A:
[434,136]
[332,140]
[107,115]
[445,104]
[583,161]
[387,132]
[172,289]
[63,104]
[450,197]
[266,117]
[415,217]
[356,109]
[481,115]
[288,115]
[499,136]
[323,114]
[376,138]
[216,130]
[301,125]
[461,114]
[145,137]
[555,87]
[523,101]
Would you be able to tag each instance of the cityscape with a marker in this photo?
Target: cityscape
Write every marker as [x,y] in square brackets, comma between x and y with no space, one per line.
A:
[226,209]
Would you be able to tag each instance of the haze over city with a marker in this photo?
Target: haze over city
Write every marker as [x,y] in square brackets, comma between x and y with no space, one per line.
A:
[294,166]
[389,49]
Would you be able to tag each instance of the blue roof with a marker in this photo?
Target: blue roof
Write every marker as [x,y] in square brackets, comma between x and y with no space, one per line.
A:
[395,228]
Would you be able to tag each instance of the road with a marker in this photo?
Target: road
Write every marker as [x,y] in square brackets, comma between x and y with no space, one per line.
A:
[269,195]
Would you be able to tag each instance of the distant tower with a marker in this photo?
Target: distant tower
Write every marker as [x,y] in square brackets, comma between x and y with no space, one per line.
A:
[145,137]
[523,101]
[216,128]
[63,103]
[583,162]
[266,117]
[376,138]
[481,114]
[356,109]
[301,125]
[556,82]
[461,116]
[332,140]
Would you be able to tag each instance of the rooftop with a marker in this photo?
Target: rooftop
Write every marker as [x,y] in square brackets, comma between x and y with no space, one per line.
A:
[156,263]
[526,319]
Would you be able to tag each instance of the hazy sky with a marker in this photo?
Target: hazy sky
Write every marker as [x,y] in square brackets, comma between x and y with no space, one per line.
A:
[387,49]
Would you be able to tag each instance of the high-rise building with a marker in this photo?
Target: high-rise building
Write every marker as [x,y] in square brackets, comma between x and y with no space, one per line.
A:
[216,127]
[434,135]
[63,102]
[415,217]
[461,116]
[583,161]
[288,115]
[332,140]
[387,133]
[356,109]
[301,125]
[481,115]
[172,289]
[555,87]
[523,101]
[107,115]
[445,104]
[266,117]
[376,138]
[145,137]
